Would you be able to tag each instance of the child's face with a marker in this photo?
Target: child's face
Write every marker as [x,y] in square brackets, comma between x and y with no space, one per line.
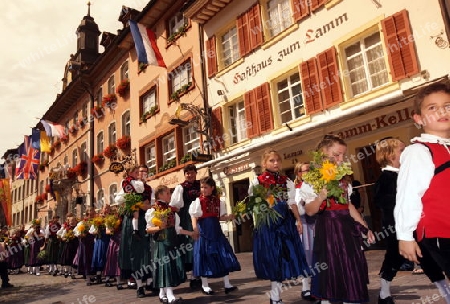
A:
[165,196]
[206,189]
[190,176]
[273,163]
[135,173]
[335,153]
[303,169]
[435,116]
[395,162]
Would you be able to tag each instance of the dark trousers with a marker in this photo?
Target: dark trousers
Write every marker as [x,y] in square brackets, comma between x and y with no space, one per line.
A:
[4,272]
[439,250]
[392,258]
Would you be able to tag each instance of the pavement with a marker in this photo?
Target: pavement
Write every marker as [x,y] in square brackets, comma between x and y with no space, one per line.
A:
[46,289]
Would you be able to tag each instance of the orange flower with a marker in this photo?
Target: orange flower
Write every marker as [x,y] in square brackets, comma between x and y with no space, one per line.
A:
[271,200]
[157,222]
[328,171]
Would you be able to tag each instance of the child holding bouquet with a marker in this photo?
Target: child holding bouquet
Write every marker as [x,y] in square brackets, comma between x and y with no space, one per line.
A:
[36,239]
[213,255]
[113,229]
[69,245]
[98,229]
[339,227]
[164,224]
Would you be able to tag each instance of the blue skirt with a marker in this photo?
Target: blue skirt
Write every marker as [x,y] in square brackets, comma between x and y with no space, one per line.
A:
[100,249]
[213,255]
[277,249]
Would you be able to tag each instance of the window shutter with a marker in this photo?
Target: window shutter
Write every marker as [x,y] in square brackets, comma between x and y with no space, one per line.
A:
[300,8]
[329,75]
[264,108]
[217,129]
[212,57]
[242,31]
[255,27]
[311,89]
[179,144]
[401,51]
[159,152]
[316,4]
[251,113]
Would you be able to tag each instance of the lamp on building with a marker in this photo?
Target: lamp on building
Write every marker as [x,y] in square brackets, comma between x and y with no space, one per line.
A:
[201,118]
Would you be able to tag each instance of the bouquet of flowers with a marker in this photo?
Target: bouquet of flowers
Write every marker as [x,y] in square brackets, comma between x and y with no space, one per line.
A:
[133,202]
[260,204]
[68,235]
[325,173]
[81,229]
[112,223]
[161,215]
[36,222]
[42,256]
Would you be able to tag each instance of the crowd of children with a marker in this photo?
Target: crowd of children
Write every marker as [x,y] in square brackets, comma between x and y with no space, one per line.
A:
[311,225]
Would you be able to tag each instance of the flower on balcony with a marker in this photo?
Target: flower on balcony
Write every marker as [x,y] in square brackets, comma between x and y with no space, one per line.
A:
[149,113]
[40,198]
[170,164]
[73,129]
[56,144]
[82,122]
[180,32]
[175,96]
[80,169]
[71,173]
[109,100]
[98,159]
[186,158]
[110,151]
[47,188]
[124,142]
[97,111]
[123,87]
[65,139]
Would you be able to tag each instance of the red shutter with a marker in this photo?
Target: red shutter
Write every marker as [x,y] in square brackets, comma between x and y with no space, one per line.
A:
[255,27]
[264,108]
[329,78]
[401,51]
[251,114]
[300,8]
[212,57]
[242,31]
[315,4]
[217,129]
[311,89]
[179,145]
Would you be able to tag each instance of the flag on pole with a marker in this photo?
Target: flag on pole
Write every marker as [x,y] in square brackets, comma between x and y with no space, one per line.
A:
[28,161]
[5,200]
[54,129]
[36,139]
[45,143]
[145,43]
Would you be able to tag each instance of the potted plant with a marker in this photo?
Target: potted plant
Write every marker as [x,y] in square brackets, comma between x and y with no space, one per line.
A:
[98,159]
[110,151]
[47,188]
[187,157]
[170,164]
[123,86]
[71,173]
[73,129]
[124,142]
[81,169]
[181,31]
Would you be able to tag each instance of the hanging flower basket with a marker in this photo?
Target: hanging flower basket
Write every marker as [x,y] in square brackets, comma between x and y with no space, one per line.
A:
[110,151]
[81,169]
[124,143]
[65,139]
[71,173]
[98,159]
[73,129]
[41,198]
[97,111]
[123,86]
[81,122]
[109,100]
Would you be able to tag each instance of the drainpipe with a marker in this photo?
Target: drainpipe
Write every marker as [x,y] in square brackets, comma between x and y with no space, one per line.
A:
[91,152]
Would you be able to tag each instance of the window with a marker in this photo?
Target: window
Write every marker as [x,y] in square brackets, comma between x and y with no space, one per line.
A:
[75,118]
[112,192]
[84,155]
[100,142]
[176,23]
[366,65]
[100,199]
[74,158]
[279,15]
[149,101]
[66,160]
[112,136]
[41,186]
[229,47]
[191,139]
[180,76]
[290,99]
[150,157]
[99,97]
[111,85]
[126,124]
[124,71]
[238,124]
[168,145]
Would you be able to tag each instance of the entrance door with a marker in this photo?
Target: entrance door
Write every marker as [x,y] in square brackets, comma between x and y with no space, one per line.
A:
[244,231]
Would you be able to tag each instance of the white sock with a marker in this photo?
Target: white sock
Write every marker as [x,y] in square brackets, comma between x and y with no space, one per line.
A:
[205,285]
[385,290]
[275,290]
[139,283]
[134,222]
[226,282]
[444,290]
[325,302]
[170,295]
[33,269]
[162,293]
[149,281]
[305,284]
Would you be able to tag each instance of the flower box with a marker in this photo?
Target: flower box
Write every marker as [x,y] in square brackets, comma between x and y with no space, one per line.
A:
[170,164]
[186,158]
[71,173]
[124,143]
[98,159]
[123,86]
[47,188]
[175,96]
[153,110]
[56,144]
[98,111]
[80,169]
[180,32]
[109,101]
[40,198]
[82,122]
[73,129]
[110,151]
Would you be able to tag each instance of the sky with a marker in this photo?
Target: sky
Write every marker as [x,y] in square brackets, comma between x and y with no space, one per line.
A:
[37,38]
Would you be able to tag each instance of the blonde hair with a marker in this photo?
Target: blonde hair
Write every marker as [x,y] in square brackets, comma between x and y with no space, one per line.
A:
[160,190]
[266,156]
[297,169]
[385,150]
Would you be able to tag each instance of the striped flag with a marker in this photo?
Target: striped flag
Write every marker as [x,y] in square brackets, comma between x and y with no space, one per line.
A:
[145,42]
[54,129]
[28,161]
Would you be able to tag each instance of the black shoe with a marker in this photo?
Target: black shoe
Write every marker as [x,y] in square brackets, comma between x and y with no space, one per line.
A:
[230,289]
[7,285]
[140,292]
[276,302]
[306,295]
[119,287]
[98,279]
[149,287]
[55,273]
[388,300]
[209,292]
[195,283]
[66,275]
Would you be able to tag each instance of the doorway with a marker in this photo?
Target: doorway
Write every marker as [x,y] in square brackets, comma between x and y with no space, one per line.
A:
[244,231]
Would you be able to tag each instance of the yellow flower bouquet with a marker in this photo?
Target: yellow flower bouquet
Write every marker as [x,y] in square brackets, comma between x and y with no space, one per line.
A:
[82,229]
[160,217]
[133,202]
[325,173]
[68,235]
[112,223]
